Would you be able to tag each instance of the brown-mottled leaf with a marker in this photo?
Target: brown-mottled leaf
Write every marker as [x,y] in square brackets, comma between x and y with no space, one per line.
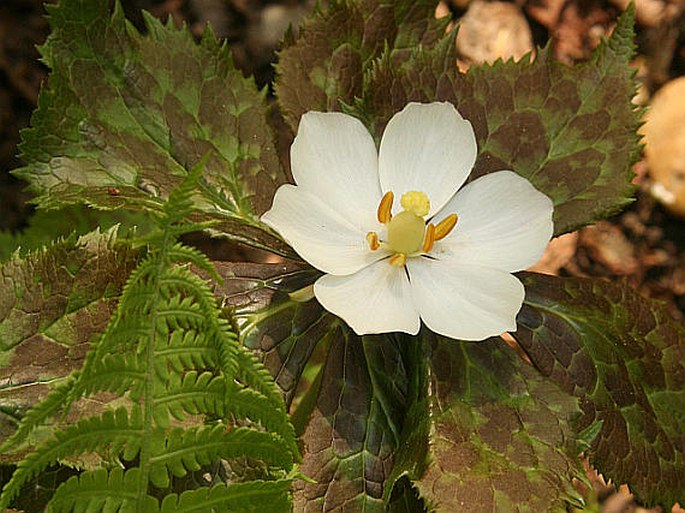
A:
[351,434]
[326,62]
[354,409]
[623,356]
[284,332]
[570,130]
[124,116]
[498,434]
[52,304]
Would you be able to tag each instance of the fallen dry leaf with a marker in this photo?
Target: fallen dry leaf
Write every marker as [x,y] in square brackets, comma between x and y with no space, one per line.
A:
[664,137]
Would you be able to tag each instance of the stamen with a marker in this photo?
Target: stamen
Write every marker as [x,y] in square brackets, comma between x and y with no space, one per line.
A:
[372,239]
[385,207]
[429,240]
[398,260]
[445,226]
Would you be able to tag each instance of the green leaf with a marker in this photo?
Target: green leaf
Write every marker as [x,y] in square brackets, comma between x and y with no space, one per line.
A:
[252,497]
[124,116]
[353,430]
[623,356]
[53,304]
[570,130]
[101,490]
[45,226]
[165,341]
[285,332]
[325,64]
[492,435]
[354,412]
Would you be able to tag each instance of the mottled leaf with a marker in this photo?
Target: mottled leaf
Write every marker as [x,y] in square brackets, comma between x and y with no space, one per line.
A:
[623,356]
[498,431]
[284,332]
[124,116]
[358,400]
[326,63]
[57,292]
[570,130]
[350,438]
[44,226]
[495,434]
[405,498]
[52,304]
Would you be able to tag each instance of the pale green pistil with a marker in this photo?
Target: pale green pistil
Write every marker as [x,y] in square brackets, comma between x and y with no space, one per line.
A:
[406,233]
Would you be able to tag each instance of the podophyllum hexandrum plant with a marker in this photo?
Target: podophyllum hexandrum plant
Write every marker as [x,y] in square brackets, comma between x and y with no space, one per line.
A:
[165,380]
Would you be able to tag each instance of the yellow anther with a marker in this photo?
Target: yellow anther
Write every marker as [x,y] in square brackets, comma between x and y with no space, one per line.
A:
[415,202]
[445,226]
[385,207]
[398,260]
[429,238]
[372,239]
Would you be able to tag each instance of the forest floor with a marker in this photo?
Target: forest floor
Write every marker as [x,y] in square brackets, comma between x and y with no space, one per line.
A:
[644,245]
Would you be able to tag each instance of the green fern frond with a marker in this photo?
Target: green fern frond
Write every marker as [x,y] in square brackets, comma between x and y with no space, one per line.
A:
[185,350]
[177,210]
[195,394]
[101,490]
[181,253]
[229,349]
[169,356]
[115,429]
[116,490]
[250,497]
[179,313]
[49,407]
[177,362]
[253,374]
[188,450]
[179,205]
[116,373]
[178,281]
[249,404]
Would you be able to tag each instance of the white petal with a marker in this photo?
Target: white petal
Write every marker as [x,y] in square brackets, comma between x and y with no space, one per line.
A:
[334,157]
[376,299]
[428,148]
[504,222]
[318,233]
[465,302]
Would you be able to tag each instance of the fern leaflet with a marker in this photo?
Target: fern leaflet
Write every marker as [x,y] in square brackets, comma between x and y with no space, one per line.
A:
[184,381]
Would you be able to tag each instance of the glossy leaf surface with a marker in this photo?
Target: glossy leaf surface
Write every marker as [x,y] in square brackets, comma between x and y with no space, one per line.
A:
[623,356]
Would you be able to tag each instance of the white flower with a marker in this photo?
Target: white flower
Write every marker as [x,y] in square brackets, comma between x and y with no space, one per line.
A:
[396,243]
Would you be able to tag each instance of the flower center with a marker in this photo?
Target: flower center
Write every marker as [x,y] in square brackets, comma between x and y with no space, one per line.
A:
[407,232]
